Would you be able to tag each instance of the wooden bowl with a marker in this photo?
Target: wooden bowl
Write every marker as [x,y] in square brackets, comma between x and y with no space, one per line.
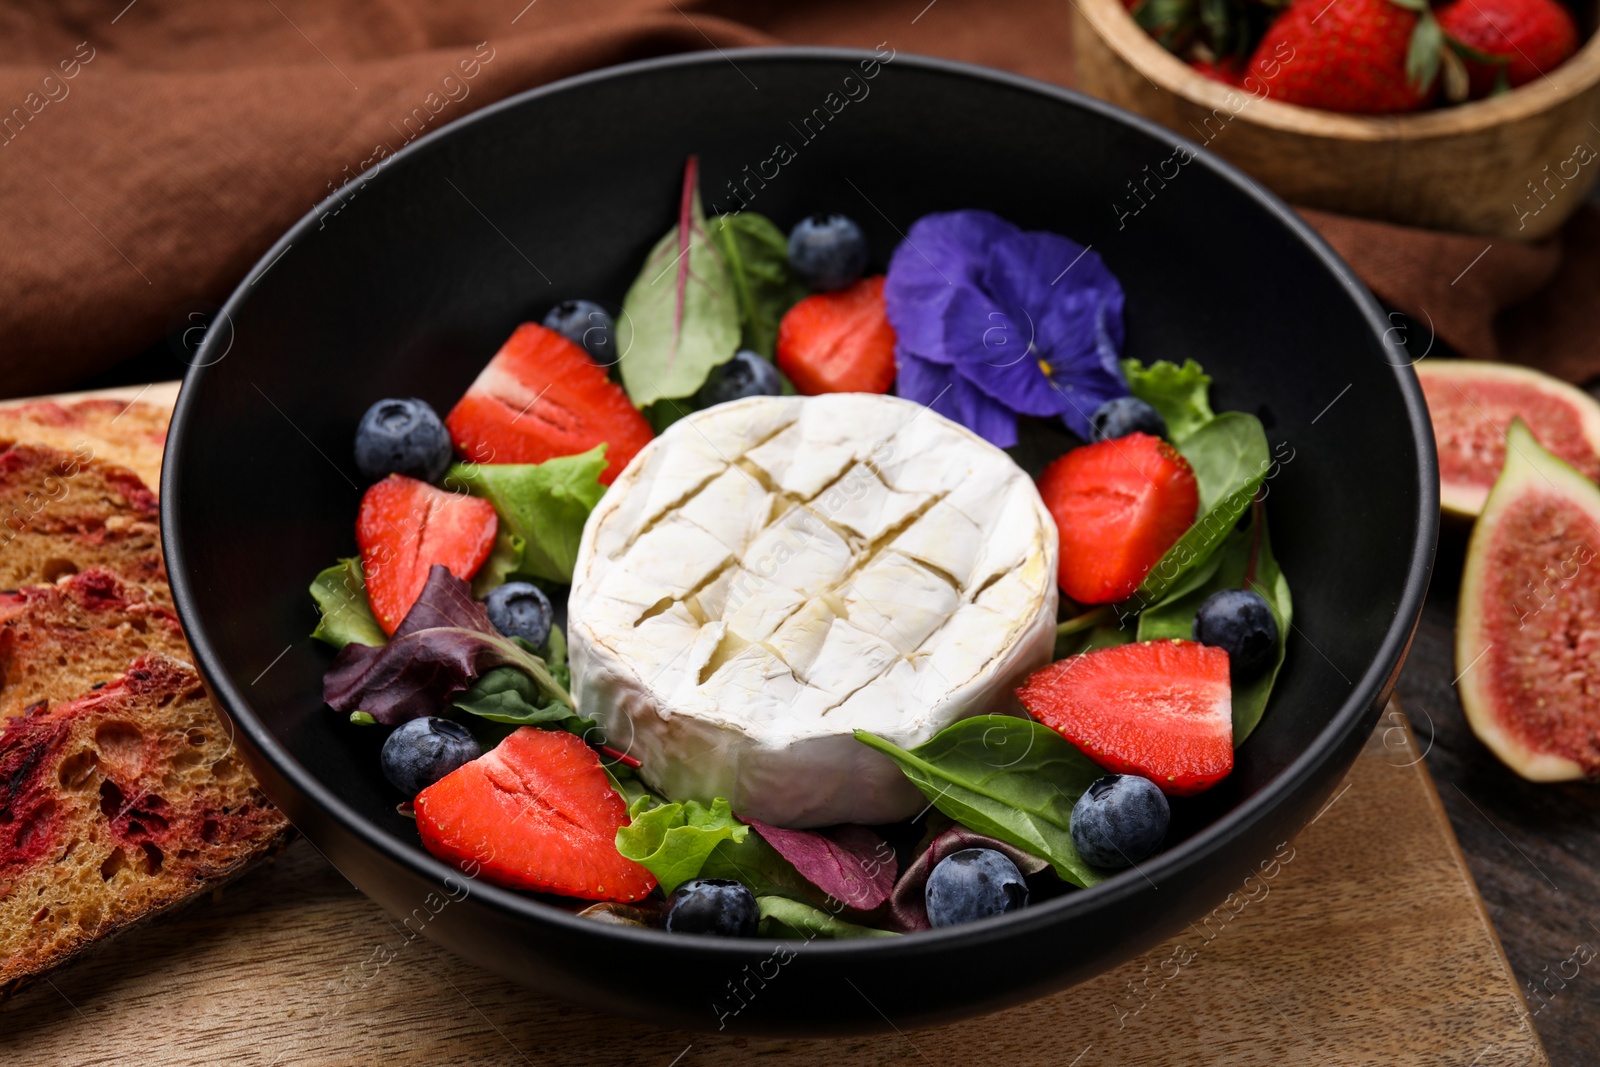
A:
[1515,166]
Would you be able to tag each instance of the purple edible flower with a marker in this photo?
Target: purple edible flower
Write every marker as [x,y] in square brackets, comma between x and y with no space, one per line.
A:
[993,322]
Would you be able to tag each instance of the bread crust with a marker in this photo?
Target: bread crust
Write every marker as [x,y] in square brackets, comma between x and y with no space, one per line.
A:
[116,806]
[121,794]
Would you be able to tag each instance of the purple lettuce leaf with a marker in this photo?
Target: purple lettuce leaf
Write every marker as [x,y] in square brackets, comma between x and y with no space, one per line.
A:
[852,864]
[908,909]
[444,644]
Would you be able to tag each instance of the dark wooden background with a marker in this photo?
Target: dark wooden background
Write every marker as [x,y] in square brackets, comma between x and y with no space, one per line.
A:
[1533,849]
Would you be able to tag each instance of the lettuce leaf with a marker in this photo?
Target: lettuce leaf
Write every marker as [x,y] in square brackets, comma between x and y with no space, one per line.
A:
[851,864]
[673,841]
[444,645]
[1179,394]
[341,596]
[542,509]
[786,917]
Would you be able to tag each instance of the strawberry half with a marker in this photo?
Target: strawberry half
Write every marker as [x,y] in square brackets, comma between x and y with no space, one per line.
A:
[1119,505]
[540,397]
[404,528]
[536,812]
[1159,709]
[839,342]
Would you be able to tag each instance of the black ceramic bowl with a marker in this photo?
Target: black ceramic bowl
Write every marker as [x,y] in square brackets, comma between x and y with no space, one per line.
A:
[407,281]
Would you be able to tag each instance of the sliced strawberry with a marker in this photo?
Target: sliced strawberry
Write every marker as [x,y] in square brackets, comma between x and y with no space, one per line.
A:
[1159,709]
[839,342]
[404,528]
[537,812]
[1119,505]
[540,397]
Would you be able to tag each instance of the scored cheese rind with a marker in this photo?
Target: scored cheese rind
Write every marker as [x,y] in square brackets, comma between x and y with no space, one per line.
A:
[770,575]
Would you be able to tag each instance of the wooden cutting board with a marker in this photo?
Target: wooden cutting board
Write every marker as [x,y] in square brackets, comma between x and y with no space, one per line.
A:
[1367,945]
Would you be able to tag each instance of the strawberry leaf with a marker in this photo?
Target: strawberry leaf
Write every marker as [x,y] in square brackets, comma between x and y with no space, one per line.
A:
[1422,57]
[680,319]
[1455,80]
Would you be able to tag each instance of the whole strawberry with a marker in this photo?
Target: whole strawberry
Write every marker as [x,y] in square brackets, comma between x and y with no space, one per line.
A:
[1520,39]
[1355,56]
[1219,70]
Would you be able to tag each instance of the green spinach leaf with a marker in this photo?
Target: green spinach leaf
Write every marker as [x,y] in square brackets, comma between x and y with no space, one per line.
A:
[542,509]
[1006,777]
[673,841]
[680,318]
[508,695]
[1174,617]
[341,595]
[757,257]
[1179,394]
[787,917]
[1230,459]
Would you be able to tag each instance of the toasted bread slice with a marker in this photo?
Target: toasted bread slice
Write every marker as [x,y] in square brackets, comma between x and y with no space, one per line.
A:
[64,512]
[60,641]
[116,806]
[130,434]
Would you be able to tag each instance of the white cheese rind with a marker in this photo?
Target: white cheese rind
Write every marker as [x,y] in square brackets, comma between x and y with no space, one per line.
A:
[769,575]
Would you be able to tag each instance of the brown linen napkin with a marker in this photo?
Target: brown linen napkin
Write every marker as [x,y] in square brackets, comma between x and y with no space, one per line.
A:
[152,150]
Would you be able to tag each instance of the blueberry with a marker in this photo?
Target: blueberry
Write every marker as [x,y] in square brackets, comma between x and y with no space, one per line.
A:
[585,323]
[1125,415]
[1120,820]
[1240,623]
[746,374]
[974,883]
[717,906]
[402,436]
[828,251]
[423,751]
[520,609]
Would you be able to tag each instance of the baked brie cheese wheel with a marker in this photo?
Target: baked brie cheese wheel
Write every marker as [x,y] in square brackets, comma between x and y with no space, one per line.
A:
[771,574]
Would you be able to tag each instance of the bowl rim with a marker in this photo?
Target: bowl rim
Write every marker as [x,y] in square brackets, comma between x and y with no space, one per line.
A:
[1116,29]
[1366,691]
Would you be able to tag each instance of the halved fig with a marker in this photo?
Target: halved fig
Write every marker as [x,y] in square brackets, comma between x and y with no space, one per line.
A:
[1472,404]
[1528,623]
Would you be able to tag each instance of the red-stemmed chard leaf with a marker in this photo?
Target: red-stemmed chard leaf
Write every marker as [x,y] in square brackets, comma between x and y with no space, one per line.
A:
[852,864]
[443,645]
[680,317]
[908,909]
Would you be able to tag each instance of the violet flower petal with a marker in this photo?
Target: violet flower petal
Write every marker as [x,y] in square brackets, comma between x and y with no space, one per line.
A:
[940,258]
[983,415]
[930,384]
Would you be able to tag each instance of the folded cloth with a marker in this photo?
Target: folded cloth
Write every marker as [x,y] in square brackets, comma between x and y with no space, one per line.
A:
[152,150]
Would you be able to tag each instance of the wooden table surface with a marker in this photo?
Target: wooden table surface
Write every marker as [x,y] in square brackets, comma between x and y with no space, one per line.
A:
[1365,944]
[1534,850]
